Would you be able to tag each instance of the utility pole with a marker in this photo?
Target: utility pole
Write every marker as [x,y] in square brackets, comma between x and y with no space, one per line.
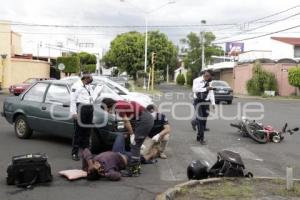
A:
[202,45]
[146,51]
[153,69]
[167,73]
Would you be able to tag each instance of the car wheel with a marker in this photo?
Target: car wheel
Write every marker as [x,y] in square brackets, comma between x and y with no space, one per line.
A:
[22,128]
[16,94]
[229,102]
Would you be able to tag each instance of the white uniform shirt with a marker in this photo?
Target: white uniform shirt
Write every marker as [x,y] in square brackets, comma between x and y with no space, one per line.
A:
[198,86]
[80,94]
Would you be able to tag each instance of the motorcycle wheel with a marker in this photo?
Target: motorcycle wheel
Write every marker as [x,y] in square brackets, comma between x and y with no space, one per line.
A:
[255,136]
[276,138]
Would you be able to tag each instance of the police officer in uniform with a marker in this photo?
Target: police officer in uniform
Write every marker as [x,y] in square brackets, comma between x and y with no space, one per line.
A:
[201,88]
[210,97]
[81,109]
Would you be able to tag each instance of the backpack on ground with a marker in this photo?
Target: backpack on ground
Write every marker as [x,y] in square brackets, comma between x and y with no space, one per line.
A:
[27,170]
[229,164]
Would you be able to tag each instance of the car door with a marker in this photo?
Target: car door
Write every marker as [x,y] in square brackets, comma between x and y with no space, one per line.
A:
[56,111]
[32,105]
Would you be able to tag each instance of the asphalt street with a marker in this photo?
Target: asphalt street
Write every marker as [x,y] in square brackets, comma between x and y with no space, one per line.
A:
[263,160]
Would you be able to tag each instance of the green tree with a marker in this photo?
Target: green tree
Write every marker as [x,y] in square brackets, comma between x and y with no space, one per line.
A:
[193,59]
[166,52]
[88,68]
[87,62]
[127,52]
[294,77]
[72,64]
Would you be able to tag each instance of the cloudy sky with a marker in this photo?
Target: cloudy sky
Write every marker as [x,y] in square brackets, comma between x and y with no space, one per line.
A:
[235,16]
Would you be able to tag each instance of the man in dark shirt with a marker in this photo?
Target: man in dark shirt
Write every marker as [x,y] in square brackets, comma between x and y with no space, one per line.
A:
[129,112]
[159,135]
[107,164]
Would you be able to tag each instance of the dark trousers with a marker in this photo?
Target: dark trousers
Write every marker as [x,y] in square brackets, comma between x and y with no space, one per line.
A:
[202,109]
[81,137]
[143,126]
[194,120]
[119,146]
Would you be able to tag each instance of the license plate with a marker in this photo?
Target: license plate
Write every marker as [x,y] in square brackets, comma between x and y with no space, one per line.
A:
[222,91]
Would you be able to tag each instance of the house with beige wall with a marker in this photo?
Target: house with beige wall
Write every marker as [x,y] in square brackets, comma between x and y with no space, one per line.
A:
[15,68]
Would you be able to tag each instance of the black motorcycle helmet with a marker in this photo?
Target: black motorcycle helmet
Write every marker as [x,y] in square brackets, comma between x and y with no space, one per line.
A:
[197,170]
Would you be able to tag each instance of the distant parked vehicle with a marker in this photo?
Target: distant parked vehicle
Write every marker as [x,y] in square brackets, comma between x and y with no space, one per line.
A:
[223,92]
[17,89]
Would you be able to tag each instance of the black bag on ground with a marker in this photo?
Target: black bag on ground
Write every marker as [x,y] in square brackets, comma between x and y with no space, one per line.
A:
[27,170]
[229,164]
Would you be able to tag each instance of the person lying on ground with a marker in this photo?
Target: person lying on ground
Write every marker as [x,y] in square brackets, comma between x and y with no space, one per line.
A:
[104,165]
[132,111]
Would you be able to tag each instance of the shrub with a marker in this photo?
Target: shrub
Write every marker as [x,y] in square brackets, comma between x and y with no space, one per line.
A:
[90,68]
[72,64]
[180,80]
[261,81]
[294,77]
[189,78]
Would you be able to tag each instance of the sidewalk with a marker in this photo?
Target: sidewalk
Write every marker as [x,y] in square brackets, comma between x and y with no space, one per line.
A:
[290,98]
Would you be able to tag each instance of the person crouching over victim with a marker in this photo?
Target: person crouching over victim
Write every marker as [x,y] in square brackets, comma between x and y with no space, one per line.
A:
[132,112]
[157,140]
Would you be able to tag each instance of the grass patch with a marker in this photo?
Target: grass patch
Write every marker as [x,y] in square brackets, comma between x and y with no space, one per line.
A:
[240,189]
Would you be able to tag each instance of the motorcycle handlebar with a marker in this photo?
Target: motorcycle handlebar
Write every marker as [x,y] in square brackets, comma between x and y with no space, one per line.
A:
[235,125]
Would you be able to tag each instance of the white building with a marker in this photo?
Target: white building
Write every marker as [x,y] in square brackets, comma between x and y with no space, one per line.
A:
[278,48]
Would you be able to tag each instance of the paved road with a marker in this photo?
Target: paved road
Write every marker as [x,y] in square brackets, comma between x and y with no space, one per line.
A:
[262,160]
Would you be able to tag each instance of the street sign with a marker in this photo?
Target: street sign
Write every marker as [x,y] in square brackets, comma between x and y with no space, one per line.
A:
[61,66]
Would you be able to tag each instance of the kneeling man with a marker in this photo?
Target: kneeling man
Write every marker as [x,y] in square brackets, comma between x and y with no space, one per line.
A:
[157,140]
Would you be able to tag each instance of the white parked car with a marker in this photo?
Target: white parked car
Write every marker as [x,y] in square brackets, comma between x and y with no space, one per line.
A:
[111,89]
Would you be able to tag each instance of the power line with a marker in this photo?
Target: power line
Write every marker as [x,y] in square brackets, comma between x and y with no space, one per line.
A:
[274,14]
[120,26]
[262,26]
[259,36]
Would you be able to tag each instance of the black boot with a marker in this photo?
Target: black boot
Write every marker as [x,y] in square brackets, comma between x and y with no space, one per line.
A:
[75,157]
[132,170]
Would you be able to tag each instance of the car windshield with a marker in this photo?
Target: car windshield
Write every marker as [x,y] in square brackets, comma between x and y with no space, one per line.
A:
[30,80]
[219,84]
[98,80]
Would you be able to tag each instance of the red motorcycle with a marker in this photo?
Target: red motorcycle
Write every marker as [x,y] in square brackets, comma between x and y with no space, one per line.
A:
[260,133]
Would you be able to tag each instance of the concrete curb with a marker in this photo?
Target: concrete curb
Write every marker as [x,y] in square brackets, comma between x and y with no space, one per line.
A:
[265,98]
[170,193]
